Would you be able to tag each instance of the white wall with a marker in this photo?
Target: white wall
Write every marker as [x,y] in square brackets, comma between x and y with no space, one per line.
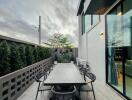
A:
[96,50]
[93,49]
[79,39]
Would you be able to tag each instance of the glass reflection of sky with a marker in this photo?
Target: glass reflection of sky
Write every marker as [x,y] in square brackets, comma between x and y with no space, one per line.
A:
[119,29]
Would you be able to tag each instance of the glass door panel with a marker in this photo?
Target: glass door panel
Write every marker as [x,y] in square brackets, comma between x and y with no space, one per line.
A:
[127,26]
[119,48]
[115,50]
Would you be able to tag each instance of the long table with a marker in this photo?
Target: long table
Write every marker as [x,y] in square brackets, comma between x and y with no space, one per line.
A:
[65,73]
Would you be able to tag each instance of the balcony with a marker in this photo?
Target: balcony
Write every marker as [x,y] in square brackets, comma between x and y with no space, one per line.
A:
[104,50]
[20,85]
[102,92]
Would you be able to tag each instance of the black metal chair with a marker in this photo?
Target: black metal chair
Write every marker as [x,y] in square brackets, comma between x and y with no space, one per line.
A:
[84,68]
[63,94]
[87,87]
[47,70]
[41,86]
[81,67]
[88,67]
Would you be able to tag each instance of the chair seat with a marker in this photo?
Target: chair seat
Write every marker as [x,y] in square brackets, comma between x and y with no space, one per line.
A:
[63,95]
[44,88]
[85,88]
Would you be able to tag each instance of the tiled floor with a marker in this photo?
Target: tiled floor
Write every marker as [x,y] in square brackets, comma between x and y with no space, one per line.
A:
[102,92]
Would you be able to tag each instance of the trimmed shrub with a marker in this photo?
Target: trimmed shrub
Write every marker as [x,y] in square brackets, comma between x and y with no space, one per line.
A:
[40,53]
[35,53]
[4,58]
[22,55]
[29,55]
[15,60]
[43,53]
[14,56]
[47,52]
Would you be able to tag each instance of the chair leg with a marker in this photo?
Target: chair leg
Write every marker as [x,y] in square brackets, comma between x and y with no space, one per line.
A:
[63,97]
[44,77]
[87,96]
[37,91]
[93,91]
[84,77]
[79,92]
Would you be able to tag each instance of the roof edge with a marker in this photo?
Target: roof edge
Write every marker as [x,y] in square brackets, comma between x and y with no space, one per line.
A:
[16,40]
[80,6]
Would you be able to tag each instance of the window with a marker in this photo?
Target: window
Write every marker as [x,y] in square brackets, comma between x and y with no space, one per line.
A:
[95,19]
[87,22]
[83,23]
[127,24]
[115,66]
[90,21]
[119,48]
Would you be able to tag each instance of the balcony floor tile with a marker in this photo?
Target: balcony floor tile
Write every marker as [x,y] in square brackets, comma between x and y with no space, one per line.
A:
[102,92]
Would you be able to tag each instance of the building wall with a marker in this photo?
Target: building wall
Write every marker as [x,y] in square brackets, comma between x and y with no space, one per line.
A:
[96,50]
[79,36]
[92,49]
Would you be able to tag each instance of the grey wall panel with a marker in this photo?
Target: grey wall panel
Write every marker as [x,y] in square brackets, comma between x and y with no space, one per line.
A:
[92,49]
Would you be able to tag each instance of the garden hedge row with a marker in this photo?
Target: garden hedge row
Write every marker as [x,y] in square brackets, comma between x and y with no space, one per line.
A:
[14,55]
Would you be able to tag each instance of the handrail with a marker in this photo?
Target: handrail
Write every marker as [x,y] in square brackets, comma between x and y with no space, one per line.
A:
[14,84]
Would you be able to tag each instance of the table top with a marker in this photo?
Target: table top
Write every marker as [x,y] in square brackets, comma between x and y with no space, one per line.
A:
[64,73]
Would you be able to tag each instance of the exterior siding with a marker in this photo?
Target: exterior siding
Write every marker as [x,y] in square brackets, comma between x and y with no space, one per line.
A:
[92,44]
[92,48]
[96,50]
[79,35]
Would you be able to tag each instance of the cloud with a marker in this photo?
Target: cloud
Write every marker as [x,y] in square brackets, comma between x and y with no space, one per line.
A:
[19,18]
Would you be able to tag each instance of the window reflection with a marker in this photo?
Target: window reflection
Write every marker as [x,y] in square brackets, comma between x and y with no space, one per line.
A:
[119,47]
[127,26]
[95,19]
[83,23]
[87,22]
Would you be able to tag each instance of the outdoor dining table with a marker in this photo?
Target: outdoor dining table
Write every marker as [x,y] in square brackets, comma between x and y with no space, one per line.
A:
[65,74]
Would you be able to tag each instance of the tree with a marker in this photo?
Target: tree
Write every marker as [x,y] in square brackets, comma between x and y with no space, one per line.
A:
[15,59]
[29,55]
[35,53]
[40,53]
[4,58]
[47,53]
[59,40]
[22,55]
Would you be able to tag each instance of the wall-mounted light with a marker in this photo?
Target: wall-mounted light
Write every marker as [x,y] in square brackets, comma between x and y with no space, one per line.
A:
[101,35]
[119,14]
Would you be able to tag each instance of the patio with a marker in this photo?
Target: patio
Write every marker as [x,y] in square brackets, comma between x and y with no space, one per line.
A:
[108,94]
[102,92]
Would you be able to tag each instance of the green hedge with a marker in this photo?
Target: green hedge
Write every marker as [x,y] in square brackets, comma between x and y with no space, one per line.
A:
[14,56]
[4,58]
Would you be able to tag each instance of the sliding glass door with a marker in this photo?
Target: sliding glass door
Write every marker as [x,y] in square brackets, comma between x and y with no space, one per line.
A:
[127,27]
[115,49]
[119,48]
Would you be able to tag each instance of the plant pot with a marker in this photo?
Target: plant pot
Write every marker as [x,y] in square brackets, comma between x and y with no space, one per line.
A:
[55,62]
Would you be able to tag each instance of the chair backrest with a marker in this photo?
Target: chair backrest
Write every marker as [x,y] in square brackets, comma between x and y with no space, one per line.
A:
[87,66]
[91,76]
[53,90]
[46,69]
[87,70]
[37,77]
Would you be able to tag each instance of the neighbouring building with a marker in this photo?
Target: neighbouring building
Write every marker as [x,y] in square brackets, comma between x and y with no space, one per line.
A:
[105,41]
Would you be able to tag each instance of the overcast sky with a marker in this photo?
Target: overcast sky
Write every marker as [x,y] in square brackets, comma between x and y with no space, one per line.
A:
[19,19]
